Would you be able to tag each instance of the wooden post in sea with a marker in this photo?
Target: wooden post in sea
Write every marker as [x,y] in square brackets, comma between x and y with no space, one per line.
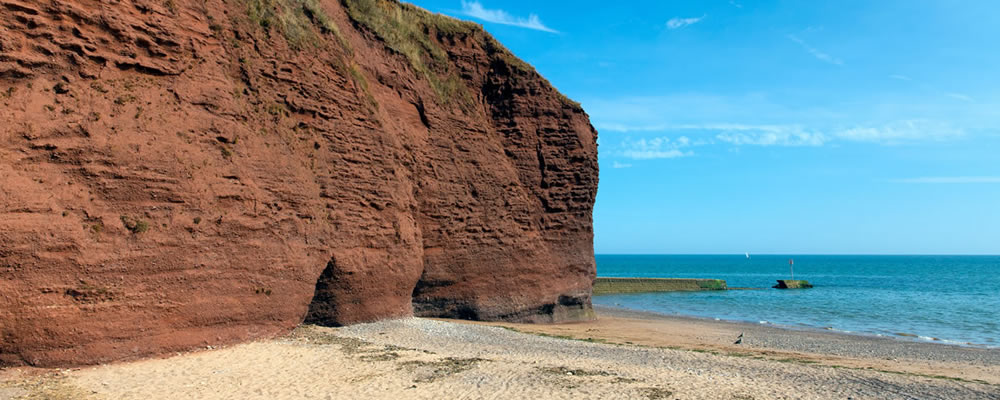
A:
[792,283]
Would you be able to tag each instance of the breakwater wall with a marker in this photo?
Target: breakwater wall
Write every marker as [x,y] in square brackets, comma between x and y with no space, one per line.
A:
[640,285]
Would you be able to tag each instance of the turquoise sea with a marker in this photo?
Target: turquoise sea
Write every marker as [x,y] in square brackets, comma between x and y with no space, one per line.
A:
[950,299]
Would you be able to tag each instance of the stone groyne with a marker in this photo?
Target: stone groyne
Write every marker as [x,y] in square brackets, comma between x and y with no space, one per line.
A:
[641,285]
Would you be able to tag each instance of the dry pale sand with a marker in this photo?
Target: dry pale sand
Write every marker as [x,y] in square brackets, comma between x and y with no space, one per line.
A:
[428,359]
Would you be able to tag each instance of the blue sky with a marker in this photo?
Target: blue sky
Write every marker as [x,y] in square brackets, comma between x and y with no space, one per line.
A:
[825,127]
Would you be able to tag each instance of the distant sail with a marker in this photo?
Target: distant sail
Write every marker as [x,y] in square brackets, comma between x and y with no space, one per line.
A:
[748,256]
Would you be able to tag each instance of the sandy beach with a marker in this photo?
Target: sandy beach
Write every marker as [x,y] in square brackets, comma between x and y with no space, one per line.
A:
[621,355]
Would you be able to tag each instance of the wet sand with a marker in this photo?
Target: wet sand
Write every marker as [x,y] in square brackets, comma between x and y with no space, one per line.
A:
[668,358]
[785,344]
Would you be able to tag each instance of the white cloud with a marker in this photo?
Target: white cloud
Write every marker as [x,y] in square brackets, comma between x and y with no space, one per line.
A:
[960,96]
[899,132]
[900,77]
[790,137]
[742,134]
[475,9]
[664,112]
[615,127]
[655,148]
[736,4]
[820,55]
[655,154]
[950,179]
[617,164]
[902,131]
[698,123]
[677,22]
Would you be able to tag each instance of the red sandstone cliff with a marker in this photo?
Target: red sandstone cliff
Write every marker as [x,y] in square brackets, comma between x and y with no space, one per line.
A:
[180,173]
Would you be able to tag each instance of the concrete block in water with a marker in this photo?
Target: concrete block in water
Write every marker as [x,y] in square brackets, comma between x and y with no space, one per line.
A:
[792,284]
[641,285]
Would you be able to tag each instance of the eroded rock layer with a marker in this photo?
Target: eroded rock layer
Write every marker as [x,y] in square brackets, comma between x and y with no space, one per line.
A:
[180,173]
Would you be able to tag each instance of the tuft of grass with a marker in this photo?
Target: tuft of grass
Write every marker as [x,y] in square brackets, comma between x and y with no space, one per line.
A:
[296,20]
[493,47]
[134,225]
[359,78]
[276,110]
[318,17]
[123,100]
[98,86]
[407,30]
[570,102]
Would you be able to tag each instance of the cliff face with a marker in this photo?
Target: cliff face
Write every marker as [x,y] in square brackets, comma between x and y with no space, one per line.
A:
[181,173]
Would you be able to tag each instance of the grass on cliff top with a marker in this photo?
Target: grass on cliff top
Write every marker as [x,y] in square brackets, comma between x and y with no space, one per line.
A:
[493,46]
[407,30]
[295,19]
[404,28]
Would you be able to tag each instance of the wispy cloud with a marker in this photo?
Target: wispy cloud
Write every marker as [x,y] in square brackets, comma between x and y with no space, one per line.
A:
[901,132]
[618,165]
[655,148]
[960,96]
[900,77]
[738,134]
[691,111]
[820,55]
[787,137]
[896,132]
[476,10]
[950,179]
[736,4]
[710,124]
[677,22]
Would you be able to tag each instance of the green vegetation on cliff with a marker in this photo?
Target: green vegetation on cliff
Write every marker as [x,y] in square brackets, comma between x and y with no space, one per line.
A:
[406,30]
[295,19]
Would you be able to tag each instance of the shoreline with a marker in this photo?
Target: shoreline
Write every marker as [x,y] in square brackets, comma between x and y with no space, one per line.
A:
[905,337]
[803,345]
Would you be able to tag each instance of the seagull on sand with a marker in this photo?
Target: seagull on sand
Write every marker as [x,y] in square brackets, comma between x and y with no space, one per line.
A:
[739,339]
